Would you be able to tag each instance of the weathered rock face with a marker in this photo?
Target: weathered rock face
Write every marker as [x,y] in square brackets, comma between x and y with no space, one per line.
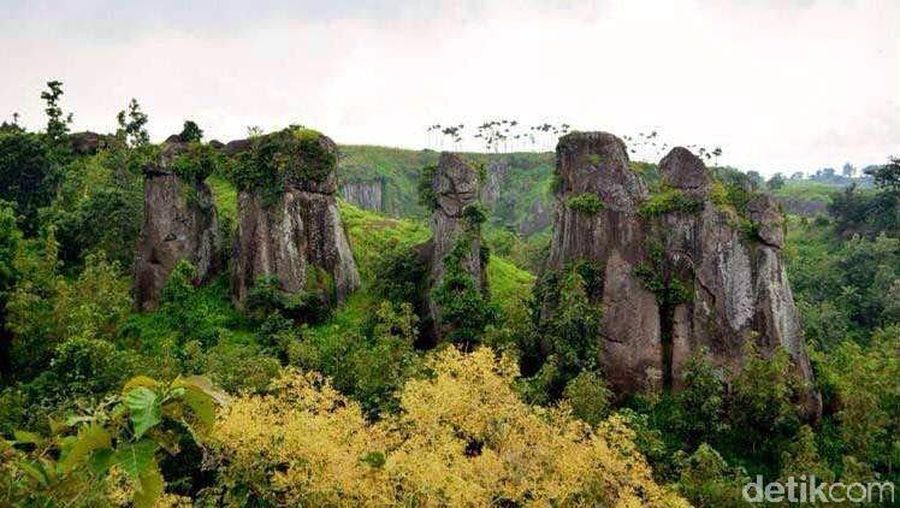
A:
[455,185]
[89,143]
[365,195]
[684,170]
[539,217]
[295,235]
[495,175]
[732,288]
[179,223]
[597,164]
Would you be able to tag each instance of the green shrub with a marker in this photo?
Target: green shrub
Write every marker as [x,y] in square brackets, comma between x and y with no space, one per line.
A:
[668,201]
[400,276]
[474,216]
[587,203]
[659,277]
[197,162]
[293,154]
[589,397]
[465,310]
[427,197]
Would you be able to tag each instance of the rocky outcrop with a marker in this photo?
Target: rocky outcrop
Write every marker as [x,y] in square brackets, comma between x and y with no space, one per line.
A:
[179,224]
[289,225]
[89,143]
[539,218]
[495,174]
[683,275]
[365,195]
[456,232]
[595,166]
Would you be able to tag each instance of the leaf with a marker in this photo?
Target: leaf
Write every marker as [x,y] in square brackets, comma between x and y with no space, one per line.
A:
[35,470]
[145,407]
[150,486]
[93,437]
[100,461]
[24,437]
[134,458]
[203,385]
[203,408]
[138,382]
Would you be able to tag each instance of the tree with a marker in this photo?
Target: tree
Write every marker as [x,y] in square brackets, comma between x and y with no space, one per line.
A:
[776,182]
[57,121]
[462,438]
[848,170]
[10,239]
[132,122]
[27,175]
[190,132]
[887,177]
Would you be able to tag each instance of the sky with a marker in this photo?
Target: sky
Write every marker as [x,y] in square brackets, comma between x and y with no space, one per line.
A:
[780,85]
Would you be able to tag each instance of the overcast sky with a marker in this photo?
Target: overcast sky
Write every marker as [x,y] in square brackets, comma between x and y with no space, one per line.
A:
[780,85]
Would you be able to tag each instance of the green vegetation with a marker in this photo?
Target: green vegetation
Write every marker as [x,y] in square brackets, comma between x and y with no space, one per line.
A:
[587,203]
[668,201]
[197,402]
[526,181]
[294,154]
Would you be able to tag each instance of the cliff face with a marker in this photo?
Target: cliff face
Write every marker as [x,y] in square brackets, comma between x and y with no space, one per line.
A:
[365,195]
[455,232]
[179,223]
[683,270]
[495,174]
[294,232]
[595,166]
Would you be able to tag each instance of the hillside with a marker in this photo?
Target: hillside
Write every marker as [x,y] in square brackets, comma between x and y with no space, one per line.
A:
[386,179]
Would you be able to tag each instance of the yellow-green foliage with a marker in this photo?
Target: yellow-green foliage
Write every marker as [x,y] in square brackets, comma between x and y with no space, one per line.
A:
[462,438]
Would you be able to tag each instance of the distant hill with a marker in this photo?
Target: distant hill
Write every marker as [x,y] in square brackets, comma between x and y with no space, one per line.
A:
[517,186]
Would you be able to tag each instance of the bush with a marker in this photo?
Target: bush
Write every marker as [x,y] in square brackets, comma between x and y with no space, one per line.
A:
[197,162]
[589,397]
[587,203]
[293,154]
[28,175]
[464,310]
[669,201]
[461,438]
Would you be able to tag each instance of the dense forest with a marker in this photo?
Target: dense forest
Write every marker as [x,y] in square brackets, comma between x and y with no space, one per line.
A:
[133,375]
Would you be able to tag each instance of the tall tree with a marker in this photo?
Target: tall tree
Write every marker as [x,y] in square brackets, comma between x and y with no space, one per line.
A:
[57,120]
[132,125]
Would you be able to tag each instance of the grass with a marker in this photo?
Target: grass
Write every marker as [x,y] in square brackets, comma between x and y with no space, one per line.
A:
[224,196]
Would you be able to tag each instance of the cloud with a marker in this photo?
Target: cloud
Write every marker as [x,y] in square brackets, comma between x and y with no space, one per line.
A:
[778,87]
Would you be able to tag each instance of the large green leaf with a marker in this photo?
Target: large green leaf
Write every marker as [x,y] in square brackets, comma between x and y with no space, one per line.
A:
[90,438]
[135,458]
[150,486]
[25,437]
[145,407]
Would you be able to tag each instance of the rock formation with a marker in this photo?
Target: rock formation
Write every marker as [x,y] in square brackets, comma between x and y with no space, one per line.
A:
[495,174]
[365,195]
[89,143]
[456,233]
[179,223]
[683,270]
[289,226]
